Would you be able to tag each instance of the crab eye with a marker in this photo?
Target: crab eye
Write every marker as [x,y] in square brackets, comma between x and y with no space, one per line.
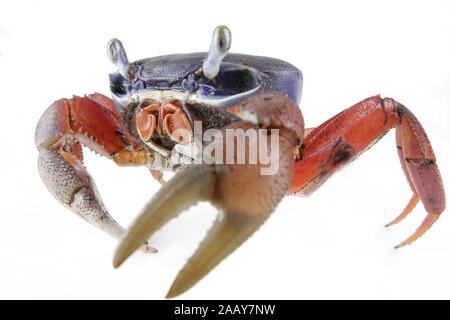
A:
[118,84]
[232,79]
[189,84]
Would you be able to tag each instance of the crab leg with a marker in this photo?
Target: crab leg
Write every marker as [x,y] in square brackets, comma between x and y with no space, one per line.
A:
[158,176]
[62,129]
[342,138]
[245,198]
[415,198]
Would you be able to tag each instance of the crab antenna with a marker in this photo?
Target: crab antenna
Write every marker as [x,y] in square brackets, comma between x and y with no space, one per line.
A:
[118,56]
[220,45]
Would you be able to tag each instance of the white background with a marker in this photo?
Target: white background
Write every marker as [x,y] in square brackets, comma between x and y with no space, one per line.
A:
[331,245]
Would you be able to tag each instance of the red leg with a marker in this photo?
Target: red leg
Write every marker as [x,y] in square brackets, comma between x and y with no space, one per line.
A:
[342,138]
[90,121]
[158,176]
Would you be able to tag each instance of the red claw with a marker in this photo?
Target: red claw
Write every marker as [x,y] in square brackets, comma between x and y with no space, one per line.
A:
[93,122]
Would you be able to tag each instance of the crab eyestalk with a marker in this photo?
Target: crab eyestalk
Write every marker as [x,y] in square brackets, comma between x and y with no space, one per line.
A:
[220,45]
[118,56]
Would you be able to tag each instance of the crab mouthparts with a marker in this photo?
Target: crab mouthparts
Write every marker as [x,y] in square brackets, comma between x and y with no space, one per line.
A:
[164,119]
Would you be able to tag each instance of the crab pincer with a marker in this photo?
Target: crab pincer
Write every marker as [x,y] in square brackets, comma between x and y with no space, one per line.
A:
[244,196]
[62,130]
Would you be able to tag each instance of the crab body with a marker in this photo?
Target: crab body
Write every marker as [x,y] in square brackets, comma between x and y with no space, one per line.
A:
[178,79]
[152,119]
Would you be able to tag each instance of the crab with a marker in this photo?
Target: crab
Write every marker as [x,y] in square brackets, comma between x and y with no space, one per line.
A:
[150,121]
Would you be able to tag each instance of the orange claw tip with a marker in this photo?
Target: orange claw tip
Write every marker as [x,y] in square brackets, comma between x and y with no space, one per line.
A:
[400,245]
[410,206]
[426,224]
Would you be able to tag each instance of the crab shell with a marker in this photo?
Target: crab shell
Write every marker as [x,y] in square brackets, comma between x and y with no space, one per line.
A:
[177,77]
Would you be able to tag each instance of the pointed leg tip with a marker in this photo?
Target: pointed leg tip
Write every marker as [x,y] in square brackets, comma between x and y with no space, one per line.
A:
[403,244]
[394,222]
[412,203]
[426,224]
[400,245]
